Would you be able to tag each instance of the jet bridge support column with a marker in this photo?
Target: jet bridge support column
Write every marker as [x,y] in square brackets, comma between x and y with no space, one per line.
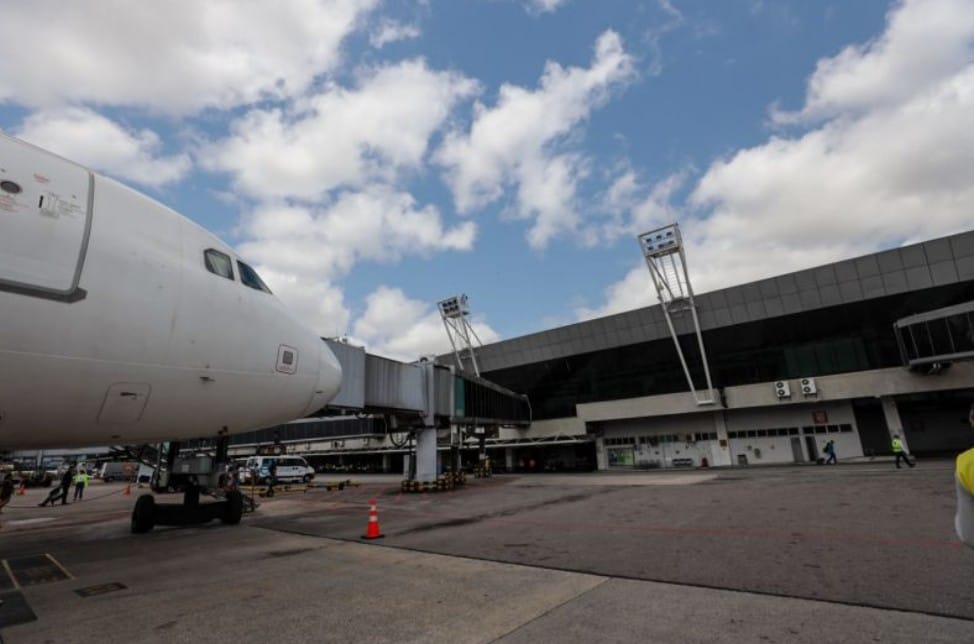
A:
[426,454]
[426,437]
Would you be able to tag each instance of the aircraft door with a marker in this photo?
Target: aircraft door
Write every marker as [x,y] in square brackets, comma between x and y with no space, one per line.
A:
[45,217]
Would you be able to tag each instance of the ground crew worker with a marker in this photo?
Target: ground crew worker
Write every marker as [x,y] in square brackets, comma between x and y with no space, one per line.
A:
[964,482]
[80,483]
[900,452]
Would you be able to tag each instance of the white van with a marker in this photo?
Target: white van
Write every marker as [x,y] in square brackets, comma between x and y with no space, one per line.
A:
[290,469]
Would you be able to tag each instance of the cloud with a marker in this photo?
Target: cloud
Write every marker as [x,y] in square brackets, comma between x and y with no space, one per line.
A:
[318,302]
[93,140]
[925,43]
[514,143]
[177,59]
[389,31]
[634,291]
[297,248]
[340,137]
[537,7]
[673,20]
[888,164]
[634,209]
[403,329]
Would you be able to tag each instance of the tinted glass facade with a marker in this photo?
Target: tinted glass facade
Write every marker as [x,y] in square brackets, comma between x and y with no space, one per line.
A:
[849,337]
[313,430]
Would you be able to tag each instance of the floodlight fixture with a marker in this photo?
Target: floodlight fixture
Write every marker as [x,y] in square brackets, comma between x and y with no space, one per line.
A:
[454,307]
[662,241]
[454,312]
[663,250]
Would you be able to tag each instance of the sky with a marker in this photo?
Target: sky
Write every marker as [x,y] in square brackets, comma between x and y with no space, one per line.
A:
[372,157]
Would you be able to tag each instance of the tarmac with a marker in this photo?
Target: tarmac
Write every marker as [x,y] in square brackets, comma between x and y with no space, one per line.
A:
[854,552]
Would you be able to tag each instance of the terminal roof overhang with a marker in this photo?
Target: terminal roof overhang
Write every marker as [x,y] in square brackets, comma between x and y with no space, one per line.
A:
[938,262]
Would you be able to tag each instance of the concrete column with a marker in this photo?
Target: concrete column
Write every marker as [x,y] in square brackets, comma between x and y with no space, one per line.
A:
[509,458]
[721,449]
[387,463]
[894,425]
[426,454]
[601,456]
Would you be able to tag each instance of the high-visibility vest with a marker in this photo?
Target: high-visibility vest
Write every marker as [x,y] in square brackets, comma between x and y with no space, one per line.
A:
[897,446]
[965,470]
[964,519]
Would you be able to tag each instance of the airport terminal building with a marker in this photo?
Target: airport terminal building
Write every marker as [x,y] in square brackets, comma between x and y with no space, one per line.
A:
[796,360]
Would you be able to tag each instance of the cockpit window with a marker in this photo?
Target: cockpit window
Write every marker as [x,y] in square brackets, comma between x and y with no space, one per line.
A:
[218,263]
[250,278]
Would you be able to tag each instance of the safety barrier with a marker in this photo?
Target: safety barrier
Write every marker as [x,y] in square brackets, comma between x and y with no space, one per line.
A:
[448,481]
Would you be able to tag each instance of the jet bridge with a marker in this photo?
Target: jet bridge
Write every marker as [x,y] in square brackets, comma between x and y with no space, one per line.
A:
[422,397]
[931,341]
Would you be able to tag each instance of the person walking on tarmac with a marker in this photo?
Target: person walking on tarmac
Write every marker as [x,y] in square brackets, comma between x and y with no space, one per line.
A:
[60,492]
[964,483]
[271,478]
[901,452]
[80,483]
[66,479]
[829,449]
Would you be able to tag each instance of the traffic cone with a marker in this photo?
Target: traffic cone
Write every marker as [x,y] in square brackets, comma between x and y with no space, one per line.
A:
[128,490]
[372,530]
[22,490]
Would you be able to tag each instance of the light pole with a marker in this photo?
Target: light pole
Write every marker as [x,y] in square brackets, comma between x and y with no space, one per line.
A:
[663,250]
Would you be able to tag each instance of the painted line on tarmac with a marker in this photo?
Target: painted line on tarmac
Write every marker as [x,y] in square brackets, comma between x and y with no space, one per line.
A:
[452,520]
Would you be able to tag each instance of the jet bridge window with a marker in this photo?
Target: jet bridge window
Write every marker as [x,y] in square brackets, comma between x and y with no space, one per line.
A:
[218,263]
[250,278]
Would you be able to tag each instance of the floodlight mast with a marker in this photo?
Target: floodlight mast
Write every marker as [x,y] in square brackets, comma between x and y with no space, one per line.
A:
[663,250]
[454,311]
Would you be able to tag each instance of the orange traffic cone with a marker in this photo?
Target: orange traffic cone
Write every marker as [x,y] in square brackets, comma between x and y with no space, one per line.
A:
[22,490]
[128,490]
[372,530]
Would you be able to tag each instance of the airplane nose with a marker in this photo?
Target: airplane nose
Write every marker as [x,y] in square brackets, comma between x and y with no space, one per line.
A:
[329,379]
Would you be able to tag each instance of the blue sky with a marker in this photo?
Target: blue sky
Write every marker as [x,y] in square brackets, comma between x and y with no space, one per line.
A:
[372,157]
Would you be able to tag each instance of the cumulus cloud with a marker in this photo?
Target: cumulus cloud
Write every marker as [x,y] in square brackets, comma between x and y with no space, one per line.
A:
[318,302]
[515,142]
[885,159]
[340,137]
[634,209]
[404,329]
[179,58]
[925,42]
[378,224]
[634,291]
[303,251]
[93,140]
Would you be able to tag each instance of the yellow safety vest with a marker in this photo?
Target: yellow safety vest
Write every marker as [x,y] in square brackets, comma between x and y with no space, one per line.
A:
[897,446]
[965,470]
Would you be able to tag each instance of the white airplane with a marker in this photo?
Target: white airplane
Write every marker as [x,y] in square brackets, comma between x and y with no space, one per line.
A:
[123,322]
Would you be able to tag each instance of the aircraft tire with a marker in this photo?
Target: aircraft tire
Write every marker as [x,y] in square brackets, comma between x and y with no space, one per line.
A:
[143,514]
[234,508]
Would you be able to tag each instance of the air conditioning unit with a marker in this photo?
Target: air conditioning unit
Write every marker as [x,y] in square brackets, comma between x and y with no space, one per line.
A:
[808,386]
[782,389]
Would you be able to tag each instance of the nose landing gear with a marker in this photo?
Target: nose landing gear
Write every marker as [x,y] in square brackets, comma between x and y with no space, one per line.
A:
[193,474]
